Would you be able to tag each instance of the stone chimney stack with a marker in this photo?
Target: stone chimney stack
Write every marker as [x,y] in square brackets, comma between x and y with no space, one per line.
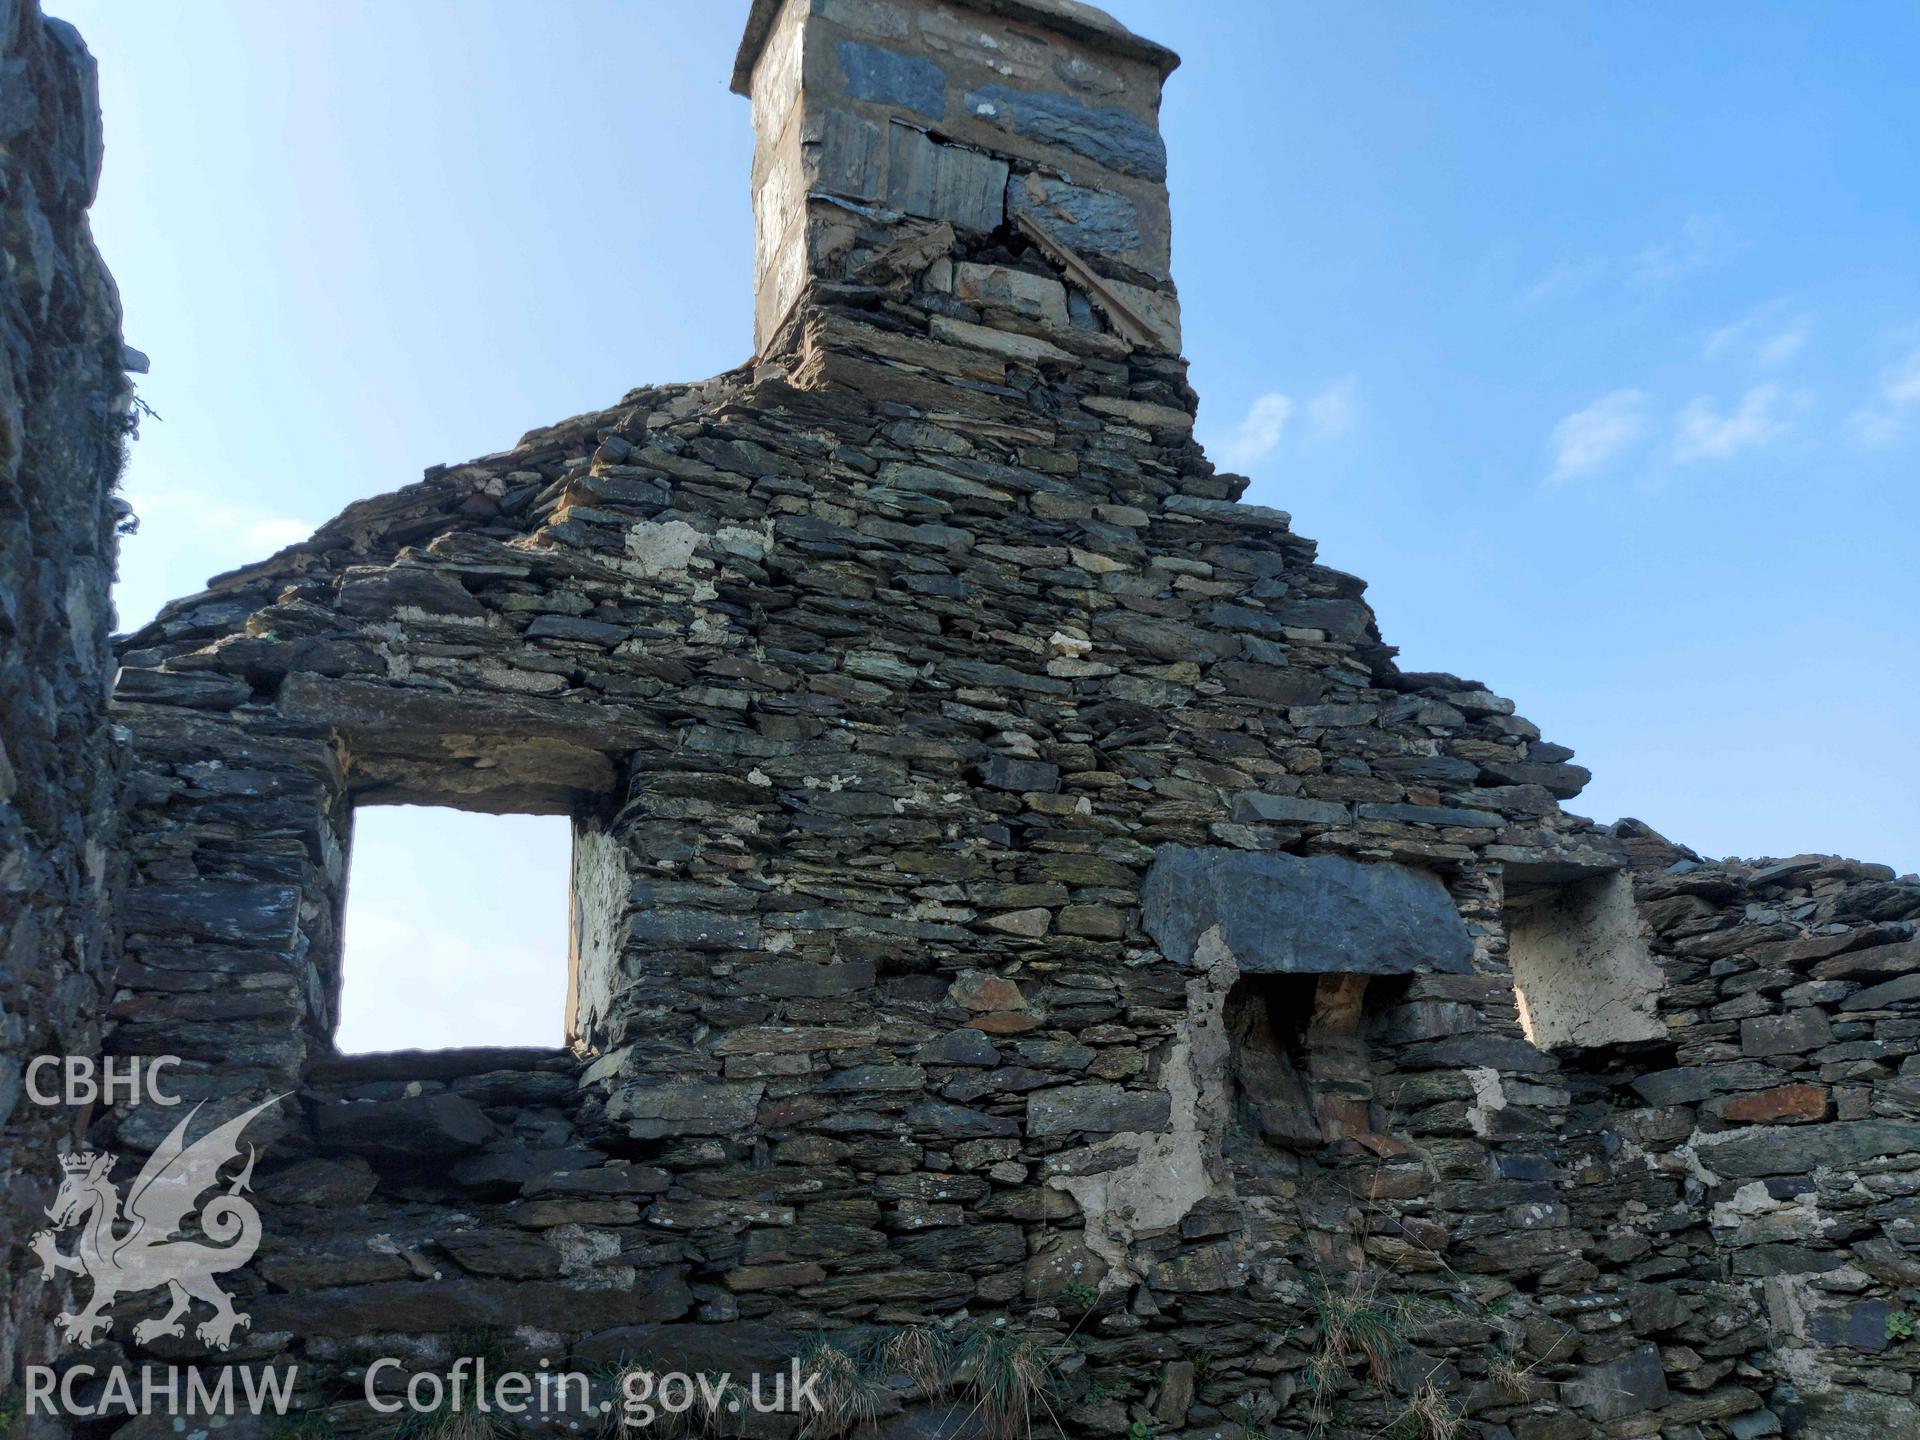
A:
[1030,123]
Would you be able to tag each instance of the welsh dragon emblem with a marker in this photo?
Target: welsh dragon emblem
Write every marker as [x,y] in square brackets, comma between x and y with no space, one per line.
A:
[143,1249]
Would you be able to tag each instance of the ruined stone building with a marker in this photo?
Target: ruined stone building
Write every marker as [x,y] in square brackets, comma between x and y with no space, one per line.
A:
[1013,881]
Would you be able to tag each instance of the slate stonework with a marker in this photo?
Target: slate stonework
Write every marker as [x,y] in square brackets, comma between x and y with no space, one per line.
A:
[64,408]
[1013,879]
[1748,1206]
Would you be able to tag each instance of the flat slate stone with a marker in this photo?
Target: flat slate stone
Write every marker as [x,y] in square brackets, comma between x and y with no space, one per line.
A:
[1561,781]
[1342,619]
[246,914]
[572,627]
[695,930]
[1079,216]
[686,1107]
[439,1307]
[1630,1385]
[1879,997]
[1099,1109]
[959,1047]
[1109,134]
[453,1064]
[414,1128]
[1778,1150]
[1003,772]
[1791,1034]
[1689,1084]
[188,688]
[849,162]
[1856,1415]
[1431,815]
[1880,962]
[1861,1325]
[893,79]
[1251,807]
[1284,914]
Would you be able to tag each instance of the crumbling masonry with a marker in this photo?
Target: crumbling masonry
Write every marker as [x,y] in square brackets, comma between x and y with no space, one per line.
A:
[1012,879]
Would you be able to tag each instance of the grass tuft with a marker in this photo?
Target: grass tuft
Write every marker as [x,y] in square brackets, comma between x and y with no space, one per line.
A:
[850,1398]
[1007,1373]
[921,1353]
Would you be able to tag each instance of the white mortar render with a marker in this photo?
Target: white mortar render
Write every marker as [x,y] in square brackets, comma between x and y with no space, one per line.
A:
[1582,970]
[663,549]
[1172,1171]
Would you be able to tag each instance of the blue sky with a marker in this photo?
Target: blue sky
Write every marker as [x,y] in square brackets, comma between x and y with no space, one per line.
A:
[1590,335]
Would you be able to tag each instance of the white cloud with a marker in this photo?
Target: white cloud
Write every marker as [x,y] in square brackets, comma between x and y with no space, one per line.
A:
[1702,241]
[1258,433]
[1785,343]
[1880,422]
[1333,412]
[220,526]
[1903,382]
[1767,339]
[1563,278]
[1589,438]
[1702,432]
[1330,414]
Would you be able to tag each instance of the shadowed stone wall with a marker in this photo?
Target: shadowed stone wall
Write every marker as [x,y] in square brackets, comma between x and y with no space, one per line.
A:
[64,403]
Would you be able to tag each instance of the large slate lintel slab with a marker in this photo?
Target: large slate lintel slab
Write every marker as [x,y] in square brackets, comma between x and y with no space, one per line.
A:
[1285,914]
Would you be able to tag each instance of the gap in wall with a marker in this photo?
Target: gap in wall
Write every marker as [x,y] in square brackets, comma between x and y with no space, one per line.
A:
[455,931]
[1583,977]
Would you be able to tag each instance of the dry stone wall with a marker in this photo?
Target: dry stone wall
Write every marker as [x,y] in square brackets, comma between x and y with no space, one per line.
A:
[1015,886]
[1751,1182]
[64,405]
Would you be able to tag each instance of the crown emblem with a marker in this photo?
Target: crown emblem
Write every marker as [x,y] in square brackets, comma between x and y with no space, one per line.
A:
[78,1164]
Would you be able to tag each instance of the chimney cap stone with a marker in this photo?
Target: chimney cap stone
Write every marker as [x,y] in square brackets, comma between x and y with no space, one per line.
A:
[1086,23]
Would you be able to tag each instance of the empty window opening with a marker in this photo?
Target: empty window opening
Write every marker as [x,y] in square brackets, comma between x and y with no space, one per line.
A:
[455,931]
[1583,976]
